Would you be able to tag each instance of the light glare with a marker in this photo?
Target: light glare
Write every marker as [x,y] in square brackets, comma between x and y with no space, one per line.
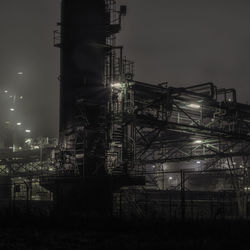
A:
[117,85]
[193,105]
[198,142]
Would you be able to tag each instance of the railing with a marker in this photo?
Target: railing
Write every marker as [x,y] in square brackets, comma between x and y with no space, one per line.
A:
[57,38]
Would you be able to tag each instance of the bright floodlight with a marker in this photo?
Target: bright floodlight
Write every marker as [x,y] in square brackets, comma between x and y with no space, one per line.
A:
[19,124]
[194,106]
[116,85]
[20,73]
[11,109]
[198,142]
[27,130]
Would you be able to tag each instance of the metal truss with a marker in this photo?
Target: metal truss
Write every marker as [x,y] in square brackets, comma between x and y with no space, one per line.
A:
[27,163]
[161,124]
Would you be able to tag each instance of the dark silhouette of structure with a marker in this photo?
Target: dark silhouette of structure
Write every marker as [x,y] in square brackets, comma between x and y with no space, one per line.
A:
[131,148]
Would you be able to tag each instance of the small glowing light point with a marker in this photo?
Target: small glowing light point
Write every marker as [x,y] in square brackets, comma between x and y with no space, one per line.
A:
[28,140]
[5,91]
[198,142]
[20,73]
[27,130]
[198,162]
[19,124]
[153,166]
[193,105]
[170,178]
[21,97]
[11,109]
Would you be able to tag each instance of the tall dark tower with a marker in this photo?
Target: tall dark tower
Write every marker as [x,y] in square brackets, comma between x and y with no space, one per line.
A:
[90,67]
[83,98]
[86,36]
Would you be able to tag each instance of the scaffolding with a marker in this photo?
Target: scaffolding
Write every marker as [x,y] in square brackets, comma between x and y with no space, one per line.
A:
[191,131]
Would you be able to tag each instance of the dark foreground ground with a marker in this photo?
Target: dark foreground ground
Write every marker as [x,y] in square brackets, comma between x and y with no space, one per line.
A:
[72,233]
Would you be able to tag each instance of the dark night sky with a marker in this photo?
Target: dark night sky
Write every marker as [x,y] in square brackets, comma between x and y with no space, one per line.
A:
[182,42]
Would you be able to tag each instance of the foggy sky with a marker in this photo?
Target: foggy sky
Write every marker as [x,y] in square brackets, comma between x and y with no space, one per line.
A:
[182,42]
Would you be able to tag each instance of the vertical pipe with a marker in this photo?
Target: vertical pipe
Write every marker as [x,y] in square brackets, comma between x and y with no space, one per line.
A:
[183,212]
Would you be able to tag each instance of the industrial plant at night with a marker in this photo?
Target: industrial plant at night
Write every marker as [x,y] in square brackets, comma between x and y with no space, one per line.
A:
[126,149]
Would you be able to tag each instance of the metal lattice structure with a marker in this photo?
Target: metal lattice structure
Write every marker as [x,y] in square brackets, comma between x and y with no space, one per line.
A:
[163,124]
[197,134]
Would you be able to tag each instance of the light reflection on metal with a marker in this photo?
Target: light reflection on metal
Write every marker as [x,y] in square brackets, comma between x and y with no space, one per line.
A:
[193,105]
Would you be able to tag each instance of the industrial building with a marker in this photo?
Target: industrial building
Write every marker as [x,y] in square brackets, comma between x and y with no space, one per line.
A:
[128,148]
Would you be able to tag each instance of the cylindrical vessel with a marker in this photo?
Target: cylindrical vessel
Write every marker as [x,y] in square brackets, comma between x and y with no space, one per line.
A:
[82,92]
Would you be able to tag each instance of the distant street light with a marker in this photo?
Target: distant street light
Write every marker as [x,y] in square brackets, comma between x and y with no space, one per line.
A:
[19,124]
[27,130]
[11,109]
[20,73]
